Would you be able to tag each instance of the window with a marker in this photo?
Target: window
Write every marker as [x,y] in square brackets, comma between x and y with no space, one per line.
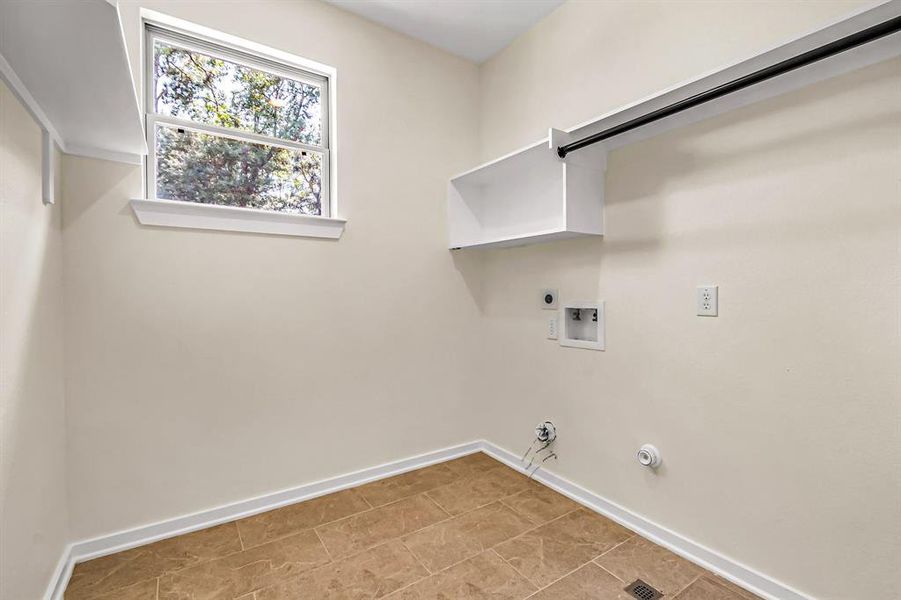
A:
[230,128]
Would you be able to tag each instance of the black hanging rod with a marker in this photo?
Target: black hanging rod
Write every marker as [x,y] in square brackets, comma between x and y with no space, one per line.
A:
[796,62]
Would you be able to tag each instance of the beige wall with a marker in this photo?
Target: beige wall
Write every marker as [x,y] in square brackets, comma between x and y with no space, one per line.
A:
[33,514]
[210,367]
[778,421]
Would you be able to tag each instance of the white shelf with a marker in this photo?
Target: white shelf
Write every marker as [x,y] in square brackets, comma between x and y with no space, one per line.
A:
[67,63]
[527,197]
[532,196]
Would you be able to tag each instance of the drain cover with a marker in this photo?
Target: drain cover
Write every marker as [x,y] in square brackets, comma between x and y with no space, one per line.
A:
[642,591]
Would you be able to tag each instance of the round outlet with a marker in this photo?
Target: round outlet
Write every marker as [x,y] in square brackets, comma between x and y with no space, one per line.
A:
[649,456]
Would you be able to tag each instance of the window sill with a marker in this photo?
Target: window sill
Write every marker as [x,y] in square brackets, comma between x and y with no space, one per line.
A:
[172,213]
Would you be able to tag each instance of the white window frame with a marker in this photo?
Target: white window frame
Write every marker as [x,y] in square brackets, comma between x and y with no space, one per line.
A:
[177,213]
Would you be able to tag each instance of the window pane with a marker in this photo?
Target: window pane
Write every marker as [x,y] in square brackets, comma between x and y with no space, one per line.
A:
[199,167]
[209,90]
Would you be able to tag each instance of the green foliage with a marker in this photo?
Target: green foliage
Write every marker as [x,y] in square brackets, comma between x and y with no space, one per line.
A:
[199,167]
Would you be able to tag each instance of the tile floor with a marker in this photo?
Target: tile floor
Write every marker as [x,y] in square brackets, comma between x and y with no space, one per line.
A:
[469,528]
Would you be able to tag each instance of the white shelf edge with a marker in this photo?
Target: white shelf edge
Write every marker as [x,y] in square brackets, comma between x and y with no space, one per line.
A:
[9,75]
[491,163]
[525,238]
[192,215]
[103,154]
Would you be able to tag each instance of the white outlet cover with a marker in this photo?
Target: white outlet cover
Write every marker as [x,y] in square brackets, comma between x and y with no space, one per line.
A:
[708,300]
[543,300]
[587,336]
[552,328]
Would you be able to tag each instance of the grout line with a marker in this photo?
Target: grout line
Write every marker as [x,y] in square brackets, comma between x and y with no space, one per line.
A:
[608,551]
[614,547]
[453,517]
[433,525]
[456,478]
[522,514]
[498,499]
[363,496]
[427,495]
[286,535]
[327,552]
[472,476]
[527,531]
[452,565]
[384,541]
[492,548]
[607,571]
[441,506]
[690,583]
[409,585]
[240,537]
[133,583]
[564,576]
[515,570]
[211,559]
[435,502]
[419,560]
[362,512]
[591,561]
[483,550]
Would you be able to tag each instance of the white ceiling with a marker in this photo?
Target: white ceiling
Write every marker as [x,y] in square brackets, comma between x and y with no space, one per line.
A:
[473,29]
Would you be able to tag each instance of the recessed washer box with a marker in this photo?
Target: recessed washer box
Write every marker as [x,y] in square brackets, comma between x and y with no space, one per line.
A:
[582,325]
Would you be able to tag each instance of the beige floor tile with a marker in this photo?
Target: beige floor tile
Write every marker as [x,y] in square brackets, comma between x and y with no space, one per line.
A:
[109,573]
[274,524]
[541,504]
[449,542]
[473,464]
[556,548]
[245,572]
[589,582]
[373,573]
[714,588]
[710,587]
[379,525]
[413,483]
[640,559]
[741,592]
[144,590]
[479,489]
[483,577]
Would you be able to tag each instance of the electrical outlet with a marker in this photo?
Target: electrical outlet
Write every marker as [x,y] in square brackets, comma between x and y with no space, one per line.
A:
[552,328]
[549,299]
[708,305]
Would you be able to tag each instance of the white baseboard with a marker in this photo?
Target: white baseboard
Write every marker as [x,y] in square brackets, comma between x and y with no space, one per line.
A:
[139,536]
[61,574]
[709,559]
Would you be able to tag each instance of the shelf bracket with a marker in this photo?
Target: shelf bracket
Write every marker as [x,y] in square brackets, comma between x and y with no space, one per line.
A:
[596,159]
[48,167]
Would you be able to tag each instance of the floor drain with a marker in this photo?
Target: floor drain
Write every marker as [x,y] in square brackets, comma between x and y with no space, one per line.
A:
[642,591]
